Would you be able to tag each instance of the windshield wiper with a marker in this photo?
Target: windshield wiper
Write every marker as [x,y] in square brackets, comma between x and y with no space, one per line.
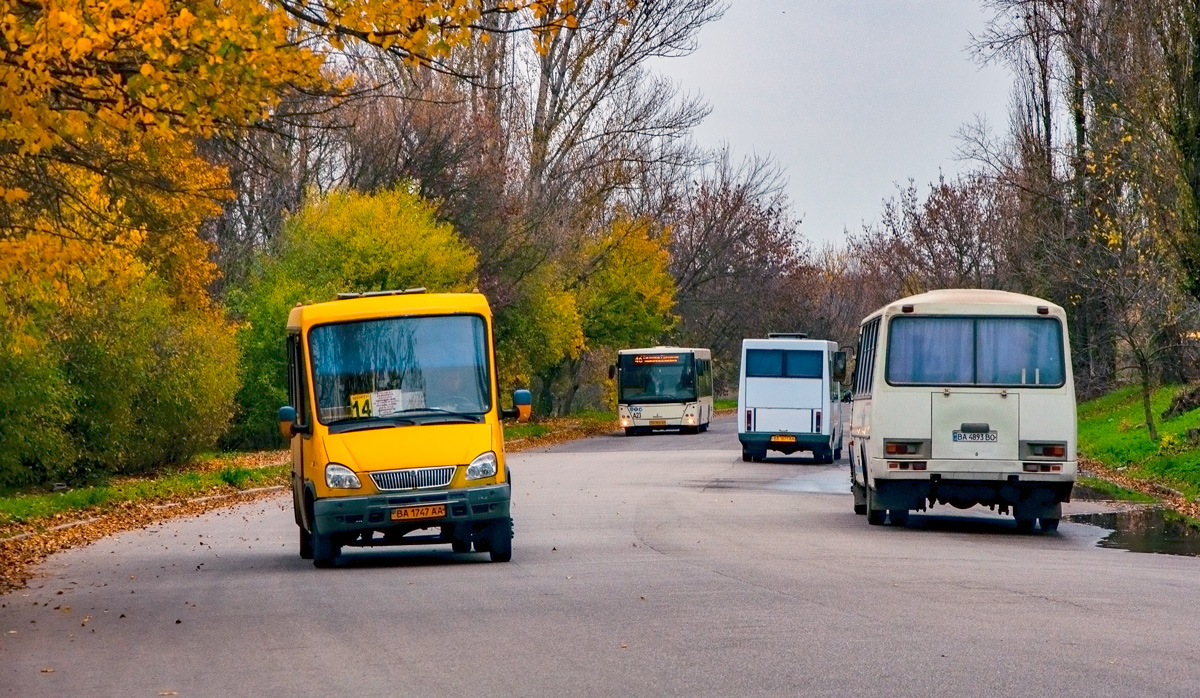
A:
[368,423]
[438,412]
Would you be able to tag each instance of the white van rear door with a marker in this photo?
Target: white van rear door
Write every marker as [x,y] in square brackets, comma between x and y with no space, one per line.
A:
[766,419]
[976,425]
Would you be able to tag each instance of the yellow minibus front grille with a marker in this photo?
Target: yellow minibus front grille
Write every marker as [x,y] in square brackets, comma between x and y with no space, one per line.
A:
[413,478]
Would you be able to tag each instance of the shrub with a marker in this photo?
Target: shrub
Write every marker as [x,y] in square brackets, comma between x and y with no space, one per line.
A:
[104,371]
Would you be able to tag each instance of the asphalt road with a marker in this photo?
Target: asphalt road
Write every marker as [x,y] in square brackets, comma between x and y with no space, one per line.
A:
[654,565]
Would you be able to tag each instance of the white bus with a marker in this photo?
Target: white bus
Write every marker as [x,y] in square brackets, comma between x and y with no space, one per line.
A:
[789,397]
[664,388]
[964,397]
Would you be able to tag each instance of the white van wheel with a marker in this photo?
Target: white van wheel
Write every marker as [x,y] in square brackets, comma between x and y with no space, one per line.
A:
[875,516]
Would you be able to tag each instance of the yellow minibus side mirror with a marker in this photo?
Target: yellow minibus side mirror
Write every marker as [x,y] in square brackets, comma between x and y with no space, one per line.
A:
[523,401]
[287,421]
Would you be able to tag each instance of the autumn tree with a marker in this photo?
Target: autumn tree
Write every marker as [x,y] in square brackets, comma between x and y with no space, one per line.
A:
[736,253]
[343,241]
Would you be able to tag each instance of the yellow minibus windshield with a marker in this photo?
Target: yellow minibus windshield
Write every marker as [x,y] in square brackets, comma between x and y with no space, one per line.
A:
[416,369]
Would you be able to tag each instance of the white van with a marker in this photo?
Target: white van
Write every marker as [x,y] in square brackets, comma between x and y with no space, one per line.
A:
[789,397]
[964,397]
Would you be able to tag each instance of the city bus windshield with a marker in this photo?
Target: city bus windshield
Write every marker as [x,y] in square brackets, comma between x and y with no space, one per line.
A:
[657,378]
[414,368]
[983,351]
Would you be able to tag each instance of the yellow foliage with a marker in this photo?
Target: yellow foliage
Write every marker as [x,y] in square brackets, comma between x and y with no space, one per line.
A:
[100,100]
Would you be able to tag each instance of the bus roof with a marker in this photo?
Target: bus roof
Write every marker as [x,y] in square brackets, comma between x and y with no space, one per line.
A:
[368,307]
[791,342]
[952,300]
[663,350]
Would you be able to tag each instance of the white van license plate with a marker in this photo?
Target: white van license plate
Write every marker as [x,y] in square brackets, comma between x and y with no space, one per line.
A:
[974,436]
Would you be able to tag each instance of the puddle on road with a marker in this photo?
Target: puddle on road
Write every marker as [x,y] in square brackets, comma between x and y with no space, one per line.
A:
[1146,530]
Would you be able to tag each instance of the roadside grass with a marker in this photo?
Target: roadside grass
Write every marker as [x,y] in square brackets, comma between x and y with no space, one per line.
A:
[1115,491]
[725,403]
[34,507]
[525,431]
[1112,430]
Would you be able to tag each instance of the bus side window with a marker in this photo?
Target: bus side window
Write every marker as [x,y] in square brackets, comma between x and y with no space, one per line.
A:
[864,368]
[297,395]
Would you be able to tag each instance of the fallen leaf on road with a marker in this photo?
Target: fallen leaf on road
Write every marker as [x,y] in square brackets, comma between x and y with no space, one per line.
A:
[624,645]
[85,621]
[47,670]
[168,693]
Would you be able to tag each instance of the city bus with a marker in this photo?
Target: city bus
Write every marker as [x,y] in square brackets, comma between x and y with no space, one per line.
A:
[964,397]
[790,397]
[664,388]
[393,417]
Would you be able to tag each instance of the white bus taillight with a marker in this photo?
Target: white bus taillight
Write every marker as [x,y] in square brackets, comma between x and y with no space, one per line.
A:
[749,420]
[817,420]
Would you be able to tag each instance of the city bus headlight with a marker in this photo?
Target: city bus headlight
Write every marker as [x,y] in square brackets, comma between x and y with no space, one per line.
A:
[339,477]
[483,466]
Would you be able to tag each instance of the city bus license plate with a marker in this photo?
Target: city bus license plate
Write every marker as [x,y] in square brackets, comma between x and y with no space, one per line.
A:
[658,422]
[435,511]
[783,439]
[975,436]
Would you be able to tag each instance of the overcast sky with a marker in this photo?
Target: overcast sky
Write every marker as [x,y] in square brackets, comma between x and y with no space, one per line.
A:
[851,97]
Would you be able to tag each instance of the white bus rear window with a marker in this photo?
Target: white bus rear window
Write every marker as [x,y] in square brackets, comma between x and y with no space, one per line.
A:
[994,351]
[783,363]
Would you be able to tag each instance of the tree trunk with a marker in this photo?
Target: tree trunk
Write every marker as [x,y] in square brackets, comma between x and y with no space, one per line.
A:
[1147,389]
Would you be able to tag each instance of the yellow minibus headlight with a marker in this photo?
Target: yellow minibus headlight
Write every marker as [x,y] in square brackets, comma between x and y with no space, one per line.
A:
[484,465]
[339,477]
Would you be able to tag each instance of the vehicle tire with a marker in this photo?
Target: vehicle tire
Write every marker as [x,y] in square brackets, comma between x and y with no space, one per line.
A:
[1048,525]
[837,454]
[501,541]
[855,490]
[325,551]
[704,427]
[898,517]
[460,546]
[874,516]
[306,551]
[826,457]
[1025,525]
[630,431]
[746,456]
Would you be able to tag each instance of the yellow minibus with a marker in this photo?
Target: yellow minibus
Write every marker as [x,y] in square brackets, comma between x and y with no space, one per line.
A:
[395,424]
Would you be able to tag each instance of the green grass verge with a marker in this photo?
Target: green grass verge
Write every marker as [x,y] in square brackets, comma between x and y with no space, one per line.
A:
[27,507]
[1114,491]
[1112,430]
[525,431]
[725,403]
